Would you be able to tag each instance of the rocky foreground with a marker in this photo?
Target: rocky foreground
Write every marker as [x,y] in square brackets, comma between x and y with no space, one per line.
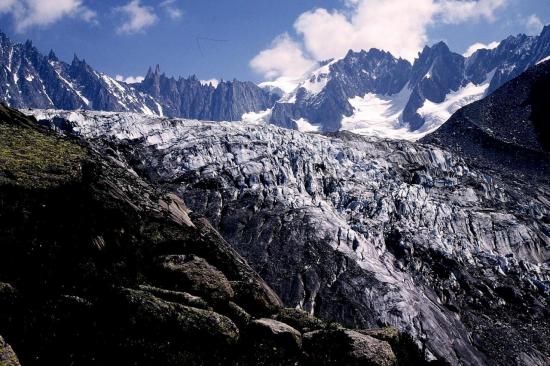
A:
[100,268]
[361,231]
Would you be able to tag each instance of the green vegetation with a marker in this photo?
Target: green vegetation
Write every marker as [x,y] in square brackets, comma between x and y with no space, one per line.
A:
[37,160]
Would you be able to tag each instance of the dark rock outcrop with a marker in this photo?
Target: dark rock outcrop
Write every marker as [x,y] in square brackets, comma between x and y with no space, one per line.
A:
[30,79]
[506,131]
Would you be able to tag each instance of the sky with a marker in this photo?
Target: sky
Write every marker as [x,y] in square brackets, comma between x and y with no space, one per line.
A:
[256,39]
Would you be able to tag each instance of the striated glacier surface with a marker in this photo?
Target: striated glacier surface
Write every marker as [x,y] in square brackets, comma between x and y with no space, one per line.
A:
[360,230]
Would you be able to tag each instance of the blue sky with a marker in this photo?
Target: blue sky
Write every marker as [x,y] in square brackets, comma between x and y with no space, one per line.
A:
[220,38]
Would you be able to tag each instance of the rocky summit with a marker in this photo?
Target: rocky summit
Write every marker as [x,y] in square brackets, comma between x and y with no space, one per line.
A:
[100,268]
[374,93]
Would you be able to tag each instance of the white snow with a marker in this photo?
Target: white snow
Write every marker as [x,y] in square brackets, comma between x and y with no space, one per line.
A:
[435,114]
[70,85]
[543,60]
[429,74]
[29,78]
[305,126]
[379,115]
[286,84]
[214,82]
[382,115]
[10,57]
[317,81]
[257,117]
[316,84]
[159,108]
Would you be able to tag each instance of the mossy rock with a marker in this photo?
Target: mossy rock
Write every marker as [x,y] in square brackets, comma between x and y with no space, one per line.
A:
[300,319]
[179,297]
[275,333]
[33,158]
[148,314]
[193,274]
[403,345]
[254,298]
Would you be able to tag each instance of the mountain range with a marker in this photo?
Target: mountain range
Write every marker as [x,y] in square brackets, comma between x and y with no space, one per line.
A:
[29,79]
[368,92]
[372,92]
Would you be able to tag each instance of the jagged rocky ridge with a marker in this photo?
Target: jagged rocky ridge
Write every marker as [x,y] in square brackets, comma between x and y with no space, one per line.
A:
[189,98]
[508,130]
[29,79]
[368,88]
[100,268]
[362,231]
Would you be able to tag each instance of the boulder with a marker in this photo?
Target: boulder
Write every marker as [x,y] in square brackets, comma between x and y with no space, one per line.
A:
[347,347]
[183,298]
[151,316]
[403,345]
[300,319]
[255,298]
[276,332]
[194,274]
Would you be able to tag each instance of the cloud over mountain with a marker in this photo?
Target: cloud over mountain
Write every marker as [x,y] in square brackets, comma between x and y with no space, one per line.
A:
[29,13]
[397,26]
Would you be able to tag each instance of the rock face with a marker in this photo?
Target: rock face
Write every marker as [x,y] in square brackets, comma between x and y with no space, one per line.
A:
[323,97]
[362,231]
[189,98]
[366,89]
[508,130]
[29,79]
[100,268]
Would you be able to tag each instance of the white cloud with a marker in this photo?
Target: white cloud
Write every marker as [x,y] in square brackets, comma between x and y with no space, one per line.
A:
[479,46]
[137,17]
[285,57]
[130,79]
[214,82]
[29,13]
[171,10]
[6,5]
[398,26]
[534,24]
[456,11]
